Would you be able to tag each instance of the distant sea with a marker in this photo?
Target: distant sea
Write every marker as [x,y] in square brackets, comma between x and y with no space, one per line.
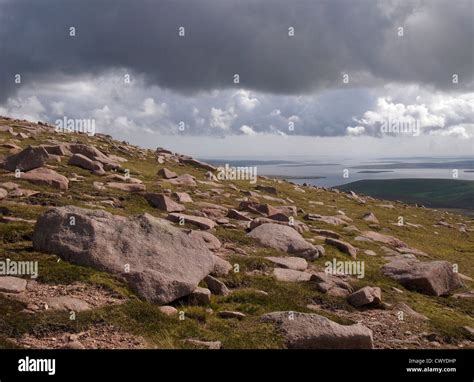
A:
[330,172]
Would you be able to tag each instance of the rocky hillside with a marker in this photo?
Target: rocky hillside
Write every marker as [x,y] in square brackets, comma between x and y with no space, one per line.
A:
[144,248]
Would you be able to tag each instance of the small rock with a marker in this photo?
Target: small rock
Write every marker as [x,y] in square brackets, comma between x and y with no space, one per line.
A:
[163,203]
[200,296]
[295,263]
[211,345]
[167,174]
[290,275]
[231,314]
[366,296]
[168,310]
[216,286]
[9,284]
[342,246]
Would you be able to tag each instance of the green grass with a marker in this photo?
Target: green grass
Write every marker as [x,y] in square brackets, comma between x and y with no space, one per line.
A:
[438,193]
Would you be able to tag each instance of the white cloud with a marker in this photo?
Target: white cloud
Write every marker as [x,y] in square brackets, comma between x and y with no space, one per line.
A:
[357,130]
[439,111]
[222,119]
[243,99]
[151,109]
[247,130]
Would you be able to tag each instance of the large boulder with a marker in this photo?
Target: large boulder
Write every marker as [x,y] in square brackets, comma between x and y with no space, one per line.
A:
[284,238]
[312,331]
[163,202]
[28,159]
[159,261]
[82,161]
[46,176]
[94,154]
[435,278]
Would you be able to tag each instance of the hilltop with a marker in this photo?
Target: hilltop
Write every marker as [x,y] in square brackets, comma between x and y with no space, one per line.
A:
[140,248]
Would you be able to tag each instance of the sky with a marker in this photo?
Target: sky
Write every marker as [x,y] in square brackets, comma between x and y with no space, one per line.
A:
[215,78]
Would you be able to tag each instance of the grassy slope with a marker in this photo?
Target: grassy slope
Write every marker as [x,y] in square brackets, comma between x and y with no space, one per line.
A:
[447,314]
[441,193]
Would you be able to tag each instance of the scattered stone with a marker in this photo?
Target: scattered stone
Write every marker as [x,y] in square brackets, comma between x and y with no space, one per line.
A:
[234,214]
[164,203]
[183,180]
[326,233]
[167,174]
[28,159]
[413,251]
[82,161]
[9,284]
[210,241]
[74,345]
[94,154]
[342,246]
[469,332]
[290,275]
[216,286]
[369,252]
[200,296]
[46,176]
[201,222]
[183,197]
[66,303]
[286,239]
[168,310]
[402,307]
[211,345]
[435,278]
[129,187]
[269,189]
[197,163]
[231,314]
[221,267]
[371,218]
[385,239]
[312,331]
[469,294]
[366,296]
[295,263]
[332,220]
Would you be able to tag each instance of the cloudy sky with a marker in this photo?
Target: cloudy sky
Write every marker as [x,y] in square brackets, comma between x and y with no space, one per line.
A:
[315,77]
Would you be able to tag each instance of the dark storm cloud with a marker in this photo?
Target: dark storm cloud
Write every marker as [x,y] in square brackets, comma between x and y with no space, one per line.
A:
[245,37]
